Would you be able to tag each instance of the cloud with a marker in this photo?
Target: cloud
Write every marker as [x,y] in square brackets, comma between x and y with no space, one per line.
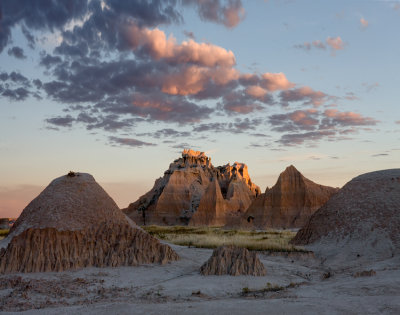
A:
[16,52]
[15,86]
[297,120]
[59,121]
[229,13]
[310,137]
[348,118]
[130,142]
[304,94]
[166,132]
[312,125]
[35,16]
[237,126]
[379,155]
[158,46]
[334,43]
[364,23]
[370,86]
[308,45]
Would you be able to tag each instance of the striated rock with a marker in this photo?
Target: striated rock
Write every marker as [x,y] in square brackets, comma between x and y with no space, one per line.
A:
[190,181]
[360,223]
[288,204]
[74,223]
[234,261]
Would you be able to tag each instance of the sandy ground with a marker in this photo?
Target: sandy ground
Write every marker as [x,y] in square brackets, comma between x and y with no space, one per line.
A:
[301,286]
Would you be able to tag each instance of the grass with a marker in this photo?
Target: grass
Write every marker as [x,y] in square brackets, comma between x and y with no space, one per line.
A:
[4,233]
[208,237]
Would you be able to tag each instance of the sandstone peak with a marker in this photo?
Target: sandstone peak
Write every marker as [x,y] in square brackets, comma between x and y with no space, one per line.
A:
[288,204]
[176,196]
[192,153]
[74,223]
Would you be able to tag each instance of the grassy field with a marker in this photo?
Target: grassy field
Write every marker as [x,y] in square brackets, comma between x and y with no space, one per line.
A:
[206,237]
[3,233]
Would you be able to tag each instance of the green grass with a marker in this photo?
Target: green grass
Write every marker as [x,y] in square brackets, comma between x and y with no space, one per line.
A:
[4,233]
[208,237]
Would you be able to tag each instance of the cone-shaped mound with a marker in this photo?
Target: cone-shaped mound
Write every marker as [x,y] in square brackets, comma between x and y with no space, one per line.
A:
[360,223]
[74,223]
[234,261]
[288,204]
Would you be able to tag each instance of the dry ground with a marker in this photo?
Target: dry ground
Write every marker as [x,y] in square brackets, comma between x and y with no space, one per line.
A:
[296,283]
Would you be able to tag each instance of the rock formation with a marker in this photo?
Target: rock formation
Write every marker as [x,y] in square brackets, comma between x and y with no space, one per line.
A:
[234,261]
[74,223]
[288,204]
[360,223]
[192,188]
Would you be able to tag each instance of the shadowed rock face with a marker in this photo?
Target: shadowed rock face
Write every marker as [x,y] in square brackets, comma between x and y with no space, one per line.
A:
[234,261]
[360,222]
[288,204]
[74,223]
[192,184]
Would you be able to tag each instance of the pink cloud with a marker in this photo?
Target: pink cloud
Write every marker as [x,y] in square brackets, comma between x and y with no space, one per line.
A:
[275,81]
[348,118]
[335,43]
[304,117]
[256,91]
[364,23]
[158,46]
[193,79]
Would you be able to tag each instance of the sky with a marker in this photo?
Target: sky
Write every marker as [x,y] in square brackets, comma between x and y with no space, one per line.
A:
[119,88]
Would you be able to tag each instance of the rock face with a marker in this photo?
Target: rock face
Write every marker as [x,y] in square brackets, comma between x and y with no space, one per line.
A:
[234,261]
[74,223]
[193,191]
[360,223]
[288,204]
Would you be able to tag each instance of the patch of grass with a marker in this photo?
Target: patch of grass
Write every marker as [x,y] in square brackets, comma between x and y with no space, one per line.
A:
[258,292]
[4,233]
[212,237]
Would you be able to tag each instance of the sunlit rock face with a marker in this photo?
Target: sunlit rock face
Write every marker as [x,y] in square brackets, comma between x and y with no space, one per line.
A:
[74,223]
[361,223]
[288,204]
[192,186]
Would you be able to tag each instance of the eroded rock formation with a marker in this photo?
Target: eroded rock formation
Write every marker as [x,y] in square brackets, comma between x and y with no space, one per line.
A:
[234,261]
[288,204]
[74,223]
[192,185]
[359,223]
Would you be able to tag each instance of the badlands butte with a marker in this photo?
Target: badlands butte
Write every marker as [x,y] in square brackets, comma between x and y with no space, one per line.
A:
[194,192]
[72,250]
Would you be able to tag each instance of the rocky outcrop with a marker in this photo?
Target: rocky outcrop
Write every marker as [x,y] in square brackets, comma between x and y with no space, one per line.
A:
[192,181]
[72,224]
[234,261]
[360,223]
[288,204]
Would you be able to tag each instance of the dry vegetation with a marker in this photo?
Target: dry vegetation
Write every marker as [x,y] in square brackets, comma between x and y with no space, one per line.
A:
[3,233]
[207,237]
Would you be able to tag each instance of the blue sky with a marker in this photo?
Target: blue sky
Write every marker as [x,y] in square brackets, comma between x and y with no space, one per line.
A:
[102,87]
